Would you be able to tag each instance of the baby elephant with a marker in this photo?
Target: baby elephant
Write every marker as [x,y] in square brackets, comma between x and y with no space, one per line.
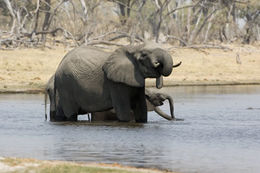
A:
[153,101]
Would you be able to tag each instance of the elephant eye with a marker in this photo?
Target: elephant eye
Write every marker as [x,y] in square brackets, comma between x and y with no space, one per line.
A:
[144,55]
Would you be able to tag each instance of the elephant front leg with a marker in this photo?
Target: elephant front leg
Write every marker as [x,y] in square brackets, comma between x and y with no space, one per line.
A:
[140,108]
[123,109]
[123,113]
[121,102]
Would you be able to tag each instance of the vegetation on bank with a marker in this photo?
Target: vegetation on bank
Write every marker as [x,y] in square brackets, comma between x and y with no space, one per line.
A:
[33,23]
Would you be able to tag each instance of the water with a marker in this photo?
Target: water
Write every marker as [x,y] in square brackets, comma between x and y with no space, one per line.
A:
[221,133]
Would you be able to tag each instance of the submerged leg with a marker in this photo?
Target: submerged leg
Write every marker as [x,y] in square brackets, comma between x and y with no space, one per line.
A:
[140,108]
[120,94]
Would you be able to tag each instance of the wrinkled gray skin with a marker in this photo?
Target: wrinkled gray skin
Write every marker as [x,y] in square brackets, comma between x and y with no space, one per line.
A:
[91,80]
[153,100]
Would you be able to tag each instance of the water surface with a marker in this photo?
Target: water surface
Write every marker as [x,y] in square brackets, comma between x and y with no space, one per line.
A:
[221,133]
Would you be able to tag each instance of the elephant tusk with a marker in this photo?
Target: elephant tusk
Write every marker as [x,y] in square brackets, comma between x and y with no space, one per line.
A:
[177,65]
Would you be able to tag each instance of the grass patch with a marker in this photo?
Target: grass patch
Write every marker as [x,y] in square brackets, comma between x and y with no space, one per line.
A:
[17,161]
[18,165]
[70,168]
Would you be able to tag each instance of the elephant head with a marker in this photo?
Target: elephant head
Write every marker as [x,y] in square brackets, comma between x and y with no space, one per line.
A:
[131,65]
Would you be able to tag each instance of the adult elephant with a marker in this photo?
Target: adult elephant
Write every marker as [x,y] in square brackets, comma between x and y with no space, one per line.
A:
[91,80]
[153,101]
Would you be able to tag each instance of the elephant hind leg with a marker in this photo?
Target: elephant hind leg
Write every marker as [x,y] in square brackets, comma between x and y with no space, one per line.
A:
[70,108]
[57,115]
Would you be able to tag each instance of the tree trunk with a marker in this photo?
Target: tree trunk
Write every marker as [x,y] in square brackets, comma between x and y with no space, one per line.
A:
[46,22]
[195,28]
[188,23]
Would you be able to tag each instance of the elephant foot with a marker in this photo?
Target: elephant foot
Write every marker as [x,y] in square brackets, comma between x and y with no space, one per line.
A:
[141,120]
[56,118]
[72,118]
[124,121]
[59,119]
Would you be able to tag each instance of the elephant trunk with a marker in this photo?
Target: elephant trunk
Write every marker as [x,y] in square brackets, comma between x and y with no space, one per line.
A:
[162,114]
[159,82]
[166,65]
[171,106]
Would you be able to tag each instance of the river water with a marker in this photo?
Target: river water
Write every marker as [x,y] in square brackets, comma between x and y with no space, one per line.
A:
[221,133]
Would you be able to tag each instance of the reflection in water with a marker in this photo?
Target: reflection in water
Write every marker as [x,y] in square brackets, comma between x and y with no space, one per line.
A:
[221,133]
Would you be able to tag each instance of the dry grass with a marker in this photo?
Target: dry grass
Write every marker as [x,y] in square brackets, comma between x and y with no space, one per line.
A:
[241,65]
[29,69]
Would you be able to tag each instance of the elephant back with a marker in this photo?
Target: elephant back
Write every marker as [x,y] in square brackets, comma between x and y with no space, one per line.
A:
[83,62]
[80,82]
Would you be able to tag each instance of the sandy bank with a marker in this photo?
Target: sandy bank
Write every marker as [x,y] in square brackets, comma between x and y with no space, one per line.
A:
[33,165]
[29,69]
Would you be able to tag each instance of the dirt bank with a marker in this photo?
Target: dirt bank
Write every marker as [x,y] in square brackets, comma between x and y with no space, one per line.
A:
[29,69]
[32,165]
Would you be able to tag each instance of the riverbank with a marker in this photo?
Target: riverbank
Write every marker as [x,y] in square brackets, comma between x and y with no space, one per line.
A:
[32,165]
[28,70]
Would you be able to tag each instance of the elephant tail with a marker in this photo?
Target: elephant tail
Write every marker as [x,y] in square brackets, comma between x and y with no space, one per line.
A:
[54,93]
[45,104]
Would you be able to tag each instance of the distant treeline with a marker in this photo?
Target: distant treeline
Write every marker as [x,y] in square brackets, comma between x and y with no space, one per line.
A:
[31,23]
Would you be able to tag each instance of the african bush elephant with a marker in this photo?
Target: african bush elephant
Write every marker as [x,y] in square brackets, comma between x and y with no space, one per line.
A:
[153,100]
[91,80]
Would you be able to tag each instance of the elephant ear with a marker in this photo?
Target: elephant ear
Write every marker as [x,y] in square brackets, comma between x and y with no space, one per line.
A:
[122,67]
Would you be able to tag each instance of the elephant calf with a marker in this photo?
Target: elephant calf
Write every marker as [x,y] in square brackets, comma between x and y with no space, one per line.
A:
[153,101]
